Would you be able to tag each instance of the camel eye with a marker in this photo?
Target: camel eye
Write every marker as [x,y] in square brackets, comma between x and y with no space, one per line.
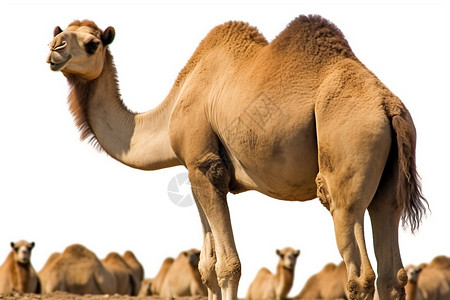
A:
[91,46]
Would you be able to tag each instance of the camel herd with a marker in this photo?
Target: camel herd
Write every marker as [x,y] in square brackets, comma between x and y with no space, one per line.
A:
[78,270]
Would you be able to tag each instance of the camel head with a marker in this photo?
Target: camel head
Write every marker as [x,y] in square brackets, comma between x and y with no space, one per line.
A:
[22,251]
[80,49]
[413,272]
[193,257]
[288,257]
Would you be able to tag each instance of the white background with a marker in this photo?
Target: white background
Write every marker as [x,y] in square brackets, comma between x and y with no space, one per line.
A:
[57,191]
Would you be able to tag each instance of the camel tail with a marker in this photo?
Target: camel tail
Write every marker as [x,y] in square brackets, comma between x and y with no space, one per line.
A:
[409,190]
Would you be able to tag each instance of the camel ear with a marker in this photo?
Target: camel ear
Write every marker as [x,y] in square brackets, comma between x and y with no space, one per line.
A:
[57,31]
[297,253]
[278,252]
[32,245]
[108,35]
[12,245]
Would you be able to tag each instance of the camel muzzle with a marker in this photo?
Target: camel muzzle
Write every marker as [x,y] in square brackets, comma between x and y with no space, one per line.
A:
[57,61]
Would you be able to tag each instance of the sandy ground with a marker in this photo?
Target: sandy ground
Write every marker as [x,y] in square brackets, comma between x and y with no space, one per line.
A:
[66,296]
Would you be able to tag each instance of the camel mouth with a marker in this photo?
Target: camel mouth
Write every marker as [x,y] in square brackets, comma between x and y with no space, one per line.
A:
[57,66]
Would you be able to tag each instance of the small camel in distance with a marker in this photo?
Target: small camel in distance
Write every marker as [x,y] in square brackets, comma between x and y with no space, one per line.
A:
[268,286]
[183,277]
[429,281]
[296,119]
[16,273]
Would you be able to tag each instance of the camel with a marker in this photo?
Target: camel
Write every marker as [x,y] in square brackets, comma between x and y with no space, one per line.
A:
[17,273]
[296,119]
[137,270]
[329,284]
[429,281]
[183,277]
[146,288]
[126,283]
[76,270]
[275,286]
[157,282]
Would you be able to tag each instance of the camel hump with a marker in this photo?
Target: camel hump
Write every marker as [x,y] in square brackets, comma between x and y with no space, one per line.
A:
[315,36]
[329,267]
[235,31]
[442,262]
[78,251]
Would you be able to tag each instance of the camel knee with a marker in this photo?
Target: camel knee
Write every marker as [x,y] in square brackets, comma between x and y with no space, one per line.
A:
[322,191]
[228,271]
[212,167]
[207,269]
[393,288]
[362,287]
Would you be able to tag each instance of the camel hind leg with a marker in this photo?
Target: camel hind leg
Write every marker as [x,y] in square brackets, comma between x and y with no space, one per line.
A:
[348,222]
[352,154]
[385,215]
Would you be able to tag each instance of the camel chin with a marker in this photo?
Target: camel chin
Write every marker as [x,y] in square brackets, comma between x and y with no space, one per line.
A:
[58,63]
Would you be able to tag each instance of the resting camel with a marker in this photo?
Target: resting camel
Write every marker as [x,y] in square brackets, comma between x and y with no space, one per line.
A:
[329,284]
[126,281]
[137,270]
[158,281]
[429,281]
[16,273]
[275,286]
[146,288]
[296,119]
[183,277]
[77,270]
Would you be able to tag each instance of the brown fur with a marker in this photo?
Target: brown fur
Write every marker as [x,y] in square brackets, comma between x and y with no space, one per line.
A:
[329,284]
[303,102]
[18,275]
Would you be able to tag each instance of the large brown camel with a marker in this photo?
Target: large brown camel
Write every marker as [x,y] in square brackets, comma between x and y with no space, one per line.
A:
[296,119]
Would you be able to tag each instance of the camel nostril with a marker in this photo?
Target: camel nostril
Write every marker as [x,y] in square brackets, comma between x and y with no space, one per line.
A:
[62,46]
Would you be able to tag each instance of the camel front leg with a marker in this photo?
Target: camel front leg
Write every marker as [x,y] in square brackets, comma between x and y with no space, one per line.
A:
[207,263]
[209,179]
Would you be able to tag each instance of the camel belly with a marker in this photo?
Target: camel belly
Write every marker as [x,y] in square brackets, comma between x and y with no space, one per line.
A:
[278,158]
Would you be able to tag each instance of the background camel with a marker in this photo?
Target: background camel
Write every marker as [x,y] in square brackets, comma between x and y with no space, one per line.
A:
[16,273]
[247,112]
[183,278]
[76,270]
[137,270]
[153,286]
[126,281]
[329,284]
[429,281]
[275,286]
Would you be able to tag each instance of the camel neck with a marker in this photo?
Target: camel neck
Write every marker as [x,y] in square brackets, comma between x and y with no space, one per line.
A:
[284,280]
[411,290]
[139,140]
